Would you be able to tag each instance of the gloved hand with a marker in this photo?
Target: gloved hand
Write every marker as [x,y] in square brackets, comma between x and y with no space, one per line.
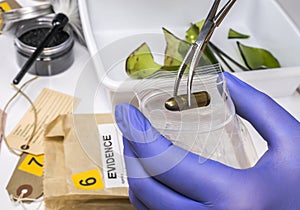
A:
[164,176]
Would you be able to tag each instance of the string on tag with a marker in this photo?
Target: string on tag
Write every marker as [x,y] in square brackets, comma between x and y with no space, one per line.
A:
[20,91]
[21,200]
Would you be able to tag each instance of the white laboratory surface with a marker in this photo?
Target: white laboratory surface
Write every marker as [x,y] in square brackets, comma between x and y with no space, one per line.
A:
[65,82]
[81,81]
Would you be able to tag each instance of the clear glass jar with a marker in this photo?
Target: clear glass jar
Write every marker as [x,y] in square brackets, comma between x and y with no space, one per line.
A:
[213,131]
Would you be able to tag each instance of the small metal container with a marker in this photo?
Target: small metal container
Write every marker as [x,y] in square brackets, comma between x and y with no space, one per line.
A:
[55,58]
[26,13]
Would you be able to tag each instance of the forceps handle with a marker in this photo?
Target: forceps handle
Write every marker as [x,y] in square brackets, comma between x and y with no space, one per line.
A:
[195,52]
[187,59]
[213,22]
[223,12]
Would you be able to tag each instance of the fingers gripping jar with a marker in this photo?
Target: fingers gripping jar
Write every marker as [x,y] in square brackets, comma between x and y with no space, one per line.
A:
[213,130]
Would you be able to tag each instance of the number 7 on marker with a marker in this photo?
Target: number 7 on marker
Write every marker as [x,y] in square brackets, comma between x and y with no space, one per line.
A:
[33,164]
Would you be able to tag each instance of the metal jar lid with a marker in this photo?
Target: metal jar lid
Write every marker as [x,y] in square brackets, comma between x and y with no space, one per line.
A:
[26,13]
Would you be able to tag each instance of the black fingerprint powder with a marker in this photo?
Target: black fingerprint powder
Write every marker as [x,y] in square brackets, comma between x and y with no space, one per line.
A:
[35,36]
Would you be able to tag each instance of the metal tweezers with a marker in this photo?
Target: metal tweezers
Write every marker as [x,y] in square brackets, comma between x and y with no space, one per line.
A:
[195,52]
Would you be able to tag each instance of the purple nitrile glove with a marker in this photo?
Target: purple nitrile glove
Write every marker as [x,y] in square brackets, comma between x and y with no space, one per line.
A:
[164,176]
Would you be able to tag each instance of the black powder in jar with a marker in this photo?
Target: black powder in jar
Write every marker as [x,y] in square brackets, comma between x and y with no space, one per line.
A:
[56,57]
[35,36]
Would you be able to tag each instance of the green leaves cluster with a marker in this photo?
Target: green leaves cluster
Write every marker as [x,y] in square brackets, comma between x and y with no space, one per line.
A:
[141,64]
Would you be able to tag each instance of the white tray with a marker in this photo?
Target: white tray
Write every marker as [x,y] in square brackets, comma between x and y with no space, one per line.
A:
[113,29]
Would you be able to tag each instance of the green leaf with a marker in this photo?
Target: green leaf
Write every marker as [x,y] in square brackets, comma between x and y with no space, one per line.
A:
[257,58]
[232,34]
[140,63]
[192,33]
[191,36]
[175,50]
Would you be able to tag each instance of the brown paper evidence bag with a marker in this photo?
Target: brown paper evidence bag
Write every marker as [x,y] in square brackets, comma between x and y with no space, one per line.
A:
[74,174]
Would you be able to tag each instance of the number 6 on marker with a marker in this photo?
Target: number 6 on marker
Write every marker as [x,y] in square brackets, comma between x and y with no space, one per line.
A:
[89,180]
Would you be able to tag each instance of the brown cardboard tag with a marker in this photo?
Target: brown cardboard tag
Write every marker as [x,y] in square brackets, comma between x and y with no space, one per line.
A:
[26,183]
[7,6]
[2,124]
[49,104]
